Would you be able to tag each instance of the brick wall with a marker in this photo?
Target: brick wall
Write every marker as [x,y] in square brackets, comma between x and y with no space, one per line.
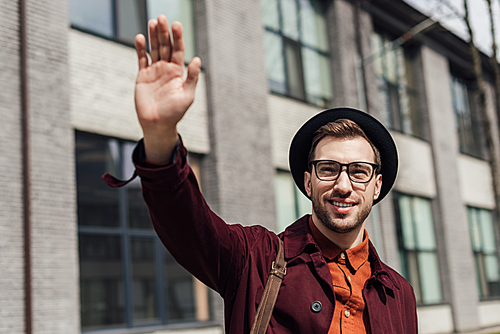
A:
[11,184]
[238,174]
[453,229]
[54,235]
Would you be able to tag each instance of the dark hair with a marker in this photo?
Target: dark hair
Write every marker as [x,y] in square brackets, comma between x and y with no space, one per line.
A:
[342,128]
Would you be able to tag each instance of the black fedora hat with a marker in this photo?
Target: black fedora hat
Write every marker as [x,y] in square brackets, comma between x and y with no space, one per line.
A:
[374,130]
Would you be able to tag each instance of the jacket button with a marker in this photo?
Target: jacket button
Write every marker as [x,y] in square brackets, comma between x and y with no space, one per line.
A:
[316,306]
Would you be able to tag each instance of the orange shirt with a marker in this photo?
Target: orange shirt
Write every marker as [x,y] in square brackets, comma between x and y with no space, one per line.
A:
[349,269]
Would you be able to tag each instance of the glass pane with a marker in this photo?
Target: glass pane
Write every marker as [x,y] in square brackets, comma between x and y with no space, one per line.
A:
[475,232]
[290,19]
[270,14]
[295,78]
[376,46]
[131,16]
[285,199]
[405,216]
[101,283]
[92,15]
[313,25]
[413,275]
[424,226]
[492,268]
[179,288]
[390,65]
[383,92]
[317,77]
[142,252]
[177,10]
[430,282]
[97,203]
[487,232]
[303,203]
[138,213]
[275,62]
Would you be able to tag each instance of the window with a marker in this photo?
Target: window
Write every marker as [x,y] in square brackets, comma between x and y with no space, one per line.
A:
[482,235]
[291,204]
[121,20]
[396,87]
[127,278]
[296,44]
[467,118]
[417,247]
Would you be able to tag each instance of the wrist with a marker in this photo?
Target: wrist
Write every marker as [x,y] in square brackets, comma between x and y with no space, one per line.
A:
[159,148]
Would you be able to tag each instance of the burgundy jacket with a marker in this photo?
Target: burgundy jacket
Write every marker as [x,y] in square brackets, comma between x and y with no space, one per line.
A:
[235,261]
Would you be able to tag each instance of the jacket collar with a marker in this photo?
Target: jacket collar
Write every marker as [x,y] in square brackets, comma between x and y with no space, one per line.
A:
[298,239]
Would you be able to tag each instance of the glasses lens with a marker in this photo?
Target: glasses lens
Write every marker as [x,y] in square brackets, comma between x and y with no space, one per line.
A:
[360,172]
[327,170]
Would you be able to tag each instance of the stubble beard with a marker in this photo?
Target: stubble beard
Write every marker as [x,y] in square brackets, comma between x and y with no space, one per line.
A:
[340,223]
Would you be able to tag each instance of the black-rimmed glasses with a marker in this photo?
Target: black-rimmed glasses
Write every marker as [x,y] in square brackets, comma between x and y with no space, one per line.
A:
[358,171]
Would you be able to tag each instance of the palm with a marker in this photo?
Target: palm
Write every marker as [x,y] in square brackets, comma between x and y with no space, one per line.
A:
[160,95]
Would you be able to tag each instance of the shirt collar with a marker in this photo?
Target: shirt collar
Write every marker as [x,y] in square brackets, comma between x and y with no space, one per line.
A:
[356,256]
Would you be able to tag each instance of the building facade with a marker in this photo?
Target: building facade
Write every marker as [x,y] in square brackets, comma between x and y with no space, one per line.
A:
[79,257]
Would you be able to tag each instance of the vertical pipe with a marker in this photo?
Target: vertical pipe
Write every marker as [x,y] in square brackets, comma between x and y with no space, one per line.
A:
[26,167]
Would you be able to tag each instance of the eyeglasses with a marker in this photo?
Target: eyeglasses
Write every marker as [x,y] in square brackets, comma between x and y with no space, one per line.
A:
[358,171]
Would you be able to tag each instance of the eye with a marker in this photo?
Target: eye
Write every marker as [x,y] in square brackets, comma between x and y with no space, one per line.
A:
[360,170]
[326,168]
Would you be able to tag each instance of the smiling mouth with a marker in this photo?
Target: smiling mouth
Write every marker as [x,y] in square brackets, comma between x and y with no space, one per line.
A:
[342,205]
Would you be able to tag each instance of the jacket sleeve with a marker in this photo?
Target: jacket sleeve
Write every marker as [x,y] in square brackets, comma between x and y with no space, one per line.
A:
[197,238]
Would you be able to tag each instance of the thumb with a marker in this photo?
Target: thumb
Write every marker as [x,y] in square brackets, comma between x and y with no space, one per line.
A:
[193,72]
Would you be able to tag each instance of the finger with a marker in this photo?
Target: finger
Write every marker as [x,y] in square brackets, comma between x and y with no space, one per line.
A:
[178,44]
[193,73]
[140,47]
[153,40]
[164,44]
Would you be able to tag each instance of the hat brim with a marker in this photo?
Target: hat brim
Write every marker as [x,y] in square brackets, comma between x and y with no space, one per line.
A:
[374,130]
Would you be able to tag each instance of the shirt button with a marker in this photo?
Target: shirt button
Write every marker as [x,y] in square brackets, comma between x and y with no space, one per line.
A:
[342,256]
[316,306]
[347,313]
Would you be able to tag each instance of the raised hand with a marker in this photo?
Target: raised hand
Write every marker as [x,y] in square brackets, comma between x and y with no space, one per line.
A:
[162,96]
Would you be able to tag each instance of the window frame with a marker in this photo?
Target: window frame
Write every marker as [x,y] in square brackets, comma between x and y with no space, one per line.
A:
[302,94]
[472,144]
[298,198]
[144,29]
[393,90]
[127,234]
[479,255]
[415,278]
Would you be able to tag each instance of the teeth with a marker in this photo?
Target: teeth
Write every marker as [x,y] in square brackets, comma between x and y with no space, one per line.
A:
[343,205]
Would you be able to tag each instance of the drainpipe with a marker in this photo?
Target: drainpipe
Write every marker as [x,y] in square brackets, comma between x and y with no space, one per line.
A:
[26,167]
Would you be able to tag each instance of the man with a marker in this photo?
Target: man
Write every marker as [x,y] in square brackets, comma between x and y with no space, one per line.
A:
[343,159]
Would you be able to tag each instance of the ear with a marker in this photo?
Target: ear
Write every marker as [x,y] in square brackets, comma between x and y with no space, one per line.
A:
[378,186]
[307,183]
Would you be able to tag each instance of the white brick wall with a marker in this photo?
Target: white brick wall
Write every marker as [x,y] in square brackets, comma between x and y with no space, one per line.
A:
[435,319]
[453,228]
[416,166]
[54,237]
[489,313]
[476,182]
[11,200]
[286,116]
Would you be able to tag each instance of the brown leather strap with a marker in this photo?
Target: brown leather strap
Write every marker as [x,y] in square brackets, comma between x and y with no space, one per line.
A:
[266,306]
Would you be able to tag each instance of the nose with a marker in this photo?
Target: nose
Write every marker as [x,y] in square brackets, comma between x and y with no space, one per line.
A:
[343,184]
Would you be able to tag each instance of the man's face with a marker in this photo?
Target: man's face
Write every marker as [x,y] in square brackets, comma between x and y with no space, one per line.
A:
[342,205]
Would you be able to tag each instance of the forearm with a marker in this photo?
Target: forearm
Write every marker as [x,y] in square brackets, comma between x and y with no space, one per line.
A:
[197,238]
